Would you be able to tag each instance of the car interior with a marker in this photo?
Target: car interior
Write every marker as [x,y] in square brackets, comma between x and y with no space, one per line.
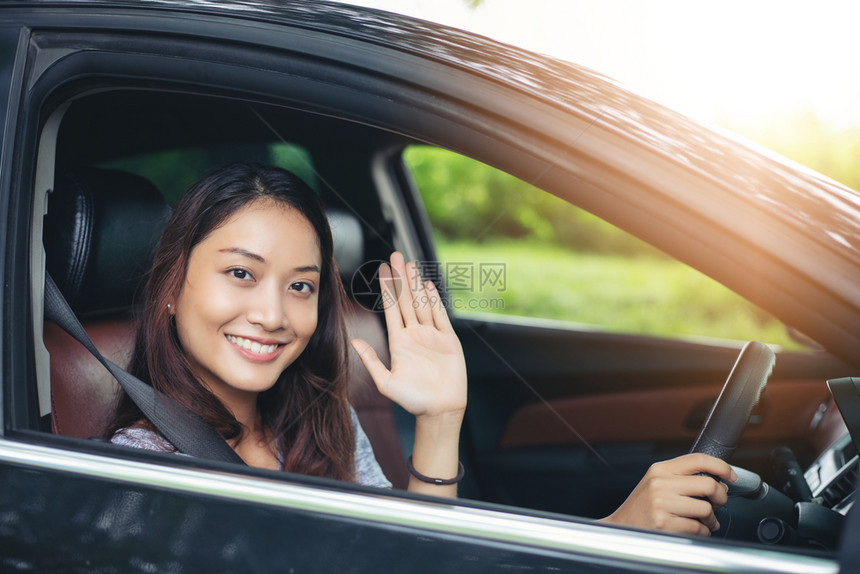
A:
[123,156]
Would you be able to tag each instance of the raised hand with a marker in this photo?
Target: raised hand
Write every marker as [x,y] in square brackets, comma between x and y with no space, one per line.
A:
[428,371]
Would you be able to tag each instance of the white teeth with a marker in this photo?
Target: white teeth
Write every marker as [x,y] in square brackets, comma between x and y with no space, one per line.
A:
[252,346]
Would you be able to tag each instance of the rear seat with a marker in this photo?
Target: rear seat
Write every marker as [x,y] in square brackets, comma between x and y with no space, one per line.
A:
[99,233]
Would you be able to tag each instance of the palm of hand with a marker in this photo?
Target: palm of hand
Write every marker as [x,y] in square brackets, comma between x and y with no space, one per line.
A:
[428,371]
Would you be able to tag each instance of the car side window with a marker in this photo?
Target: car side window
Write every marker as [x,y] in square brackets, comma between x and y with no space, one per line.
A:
[506,247]
[173,170]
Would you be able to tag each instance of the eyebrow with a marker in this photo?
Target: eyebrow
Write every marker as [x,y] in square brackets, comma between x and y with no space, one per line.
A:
[243,253]
[261,259]
[309,268]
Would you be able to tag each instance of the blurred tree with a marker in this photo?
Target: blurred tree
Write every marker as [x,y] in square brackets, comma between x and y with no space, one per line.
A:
[804,137]
[466,199]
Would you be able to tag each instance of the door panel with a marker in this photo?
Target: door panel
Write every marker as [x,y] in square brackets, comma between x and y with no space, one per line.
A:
[569,421]
[672,414]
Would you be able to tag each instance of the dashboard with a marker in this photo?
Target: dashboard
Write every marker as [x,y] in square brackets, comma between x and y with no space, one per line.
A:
[802,508]
[833,476]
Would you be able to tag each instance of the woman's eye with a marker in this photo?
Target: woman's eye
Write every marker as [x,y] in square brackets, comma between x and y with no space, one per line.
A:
[302,287]
[239,273]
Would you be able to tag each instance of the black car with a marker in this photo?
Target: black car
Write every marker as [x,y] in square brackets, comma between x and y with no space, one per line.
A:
[110,109]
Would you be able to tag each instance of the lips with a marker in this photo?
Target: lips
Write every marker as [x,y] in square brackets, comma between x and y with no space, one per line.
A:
[254,348]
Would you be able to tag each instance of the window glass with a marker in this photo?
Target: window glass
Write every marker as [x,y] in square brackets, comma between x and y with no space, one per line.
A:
[509,248]
[173,171]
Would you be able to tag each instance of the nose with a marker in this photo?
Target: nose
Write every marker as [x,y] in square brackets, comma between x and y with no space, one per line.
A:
[267,308]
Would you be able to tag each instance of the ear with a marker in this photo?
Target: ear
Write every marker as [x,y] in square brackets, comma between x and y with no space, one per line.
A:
[171,308]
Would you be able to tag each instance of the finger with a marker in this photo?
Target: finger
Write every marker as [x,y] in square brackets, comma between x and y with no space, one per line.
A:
[700,486]
[694,509]
[697,508]
[698,462]
[710,522]
[680,521]
[437,306]
[715,467]
[390,306]
[719,495]
[683,525]
[697,485]
[402,290]
[420,298]
[377,369]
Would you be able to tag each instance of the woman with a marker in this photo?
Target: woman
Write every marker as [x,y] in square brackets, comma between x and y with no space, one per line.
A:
[242,323]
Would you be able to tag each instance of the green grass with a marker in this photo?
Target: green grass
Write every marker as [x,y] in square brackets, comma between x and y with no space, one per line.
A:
[639,295]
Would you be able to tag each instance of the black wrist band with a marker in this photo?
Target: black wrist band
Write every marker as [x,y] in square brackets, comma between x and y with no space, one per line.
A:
[437,481]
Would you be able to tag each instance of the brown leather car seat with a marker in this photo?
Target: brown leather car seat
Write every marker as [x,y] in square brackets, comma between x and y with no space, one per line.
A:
[100,230]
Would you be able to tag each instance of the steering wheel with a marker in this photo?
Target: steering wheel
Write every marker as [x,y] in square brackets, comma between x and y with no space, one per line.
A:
[755,511]
[723,428]
[728,418]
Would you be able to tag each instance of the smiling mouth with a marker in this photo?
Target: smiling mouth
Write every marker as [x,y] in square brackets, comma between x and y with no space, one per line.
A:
[252,346]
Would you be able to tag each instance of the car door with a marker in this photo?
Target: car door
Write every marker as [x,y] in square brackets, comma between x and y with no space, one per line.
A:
[75,504]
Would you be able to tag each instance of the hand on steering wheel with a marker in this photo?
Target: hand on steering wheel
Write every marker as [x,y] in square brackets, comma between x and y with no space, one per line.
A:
[680,495]
[676,496]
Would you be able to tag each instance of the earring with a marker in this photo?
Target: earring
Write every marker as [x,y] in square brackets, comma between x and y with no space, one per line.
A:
[168,306]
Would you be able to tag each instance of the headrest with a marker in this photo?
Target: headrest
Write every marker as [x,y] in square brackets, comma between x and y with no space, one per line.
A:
[100,231]
[348,238]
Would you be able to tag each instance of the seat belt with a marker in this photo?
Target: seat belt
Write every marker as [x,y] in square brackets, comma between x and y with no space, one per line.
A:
[189,433]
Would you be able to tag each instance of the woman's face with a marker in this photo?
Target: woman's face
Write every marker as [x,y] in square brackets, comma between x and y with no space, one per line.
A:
[248,305]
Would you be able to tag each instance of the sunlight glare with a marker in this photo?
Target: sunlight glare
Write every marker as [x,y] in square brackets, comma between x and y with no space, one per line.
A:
[731,60]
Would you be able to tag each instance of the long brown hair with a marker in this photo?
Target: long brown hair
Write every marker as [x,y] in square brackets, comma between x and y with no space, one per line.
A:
[306,410]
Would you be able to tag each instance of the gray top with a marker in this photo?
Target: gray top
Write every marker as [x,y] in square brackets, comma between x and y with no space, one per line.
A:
[367,469]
